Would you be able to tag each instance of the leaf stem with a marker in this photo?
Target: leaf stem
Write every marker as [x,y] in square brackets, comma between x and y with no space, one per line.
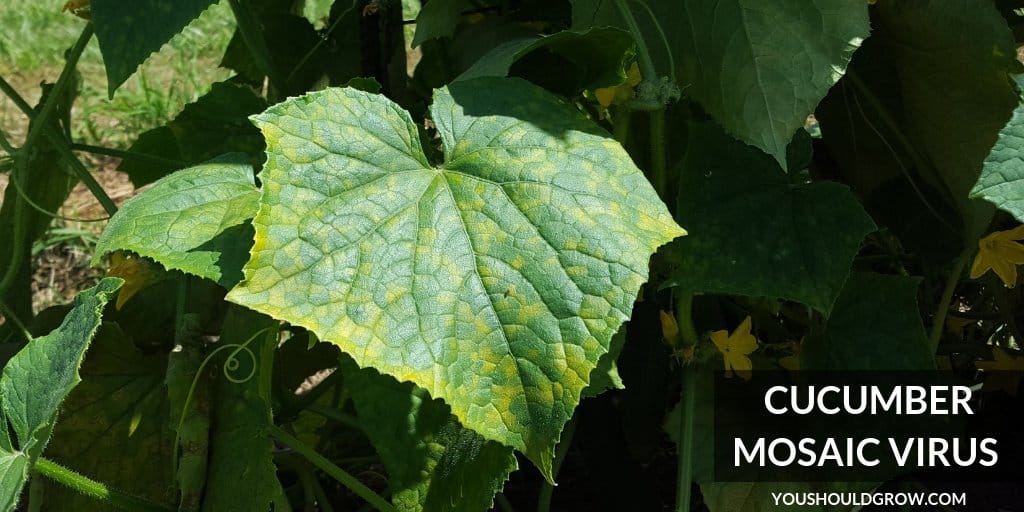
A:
[11,93]
[83,174]
[664,39]
[546,490]
[60,144]
[252,34]
[43,117]
[684,472]
[894,128]
[324,37]
[342,476]
[40,124]
[127,155]
[620,124]
[1005,308]
[647,68]
[94,489]
[947,297]
[14,320]
[659,173]
[335,415]
[503,504]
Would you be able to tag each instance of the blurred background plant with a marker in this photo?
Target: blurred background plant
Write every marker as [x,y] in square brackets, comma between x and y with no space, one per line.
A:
[33,37]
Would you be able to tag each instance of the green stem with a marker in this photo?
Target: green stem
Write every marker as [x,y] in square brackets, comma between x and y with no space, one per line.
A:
[127,155]
[324,37]
[647,68]
[312,491]
[252,34]
[342,476]
[13,319]
[684,474]
[94,489]
[334,415]
[546,490]
[503,503]
[83,174]
[290,410]
[664,39]
[944,302]
[11,93]
[40,123]
[1005,308]
[648,71]
[59,143]
[659,174]
[620,124]
[897,132]
[43,117]
[684,317]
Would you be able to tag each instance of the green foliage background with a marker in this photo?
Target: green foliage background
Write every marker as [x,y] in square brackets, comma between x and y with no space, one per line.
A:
[438,256]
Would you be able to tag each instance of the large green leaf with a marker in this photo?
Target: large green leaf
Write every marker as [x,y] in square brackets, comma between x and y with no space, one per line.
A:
[758,67]
[34,383]
[242,475]
[876,325]
[925,102]
[113,424]
[129,32]
[494,281]
[598,56]
[755,231]
[1002,176]
[761,67]
[192,221]
[433,463]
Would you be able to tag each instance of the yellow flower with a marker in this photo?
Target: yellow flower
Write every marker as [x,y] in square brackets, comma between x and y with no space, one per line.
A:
[1006,371]
[735,348]
[137,273]
[606,96]
[669,329]
[1000,252]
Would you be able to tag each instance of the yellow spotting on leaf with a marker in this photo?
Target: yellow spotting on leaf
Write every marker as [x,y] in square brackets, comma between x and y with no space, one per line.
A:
[735,348]
[1006,371]
[1001,253]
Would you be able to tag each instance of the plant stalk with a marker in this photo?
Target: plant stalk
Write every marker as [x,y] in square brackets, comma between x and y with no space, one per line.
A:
[342,476]
[647,68]
[61,146]
[659,173]
[947,297]
[127,155]
[94,489]
[40,124]
[546,490]
[43,117]
[252,34]
[688,401]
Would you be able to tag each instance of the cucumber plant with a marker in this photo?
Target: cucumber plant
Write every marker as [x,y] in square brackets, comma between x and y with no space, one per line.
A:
[426,269]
